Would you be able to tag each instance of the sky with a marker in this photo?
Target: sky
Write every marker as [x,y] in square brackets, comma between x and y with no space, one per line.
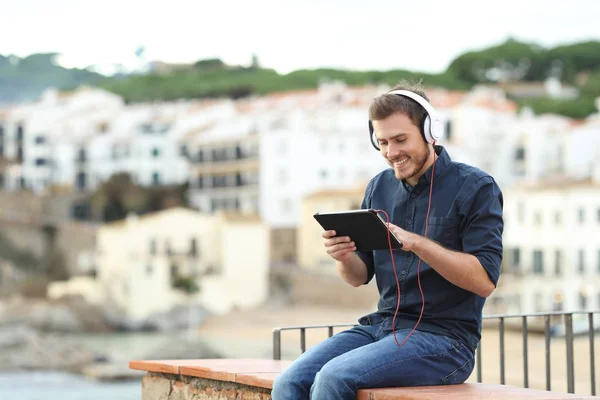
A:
[423,35]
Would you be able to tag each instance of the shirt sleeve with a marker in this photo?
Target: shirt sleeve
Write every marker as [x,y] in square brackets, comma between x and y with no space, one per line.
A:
[367,256]
[484,224]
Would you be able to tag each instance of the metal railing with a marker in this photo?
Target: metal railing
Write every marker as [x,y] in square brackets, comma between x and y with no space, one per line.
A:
[549,327]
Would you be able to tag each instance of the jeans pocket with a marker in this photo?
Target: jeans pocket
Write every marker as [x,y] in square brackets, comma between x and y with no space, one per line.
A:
[459,375]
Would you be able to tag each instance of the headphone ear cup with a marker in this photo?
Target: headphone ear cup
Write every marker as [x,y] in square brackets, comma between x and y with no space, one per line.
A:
[372,136]
[426,129]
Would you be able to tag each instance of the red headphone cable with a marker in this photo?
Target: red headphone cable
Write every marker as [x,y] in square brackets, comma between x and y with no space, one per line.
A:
[419,263]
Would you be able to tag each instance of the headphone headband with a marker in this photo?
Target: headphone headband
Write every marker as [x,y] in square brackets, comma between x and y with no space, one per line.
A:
[424,103]
[432,126]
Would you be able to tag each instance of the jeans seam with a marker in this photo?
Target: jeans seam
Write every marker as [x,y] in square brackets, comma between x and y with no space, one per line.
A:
[456,371]
[404,360]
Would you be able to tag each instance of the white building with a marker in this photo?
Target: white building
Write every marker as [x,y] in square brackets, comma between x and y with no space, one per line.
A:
[552,247]
[80,139]
[312,151]
[279,148]
[37,137]
[138,260]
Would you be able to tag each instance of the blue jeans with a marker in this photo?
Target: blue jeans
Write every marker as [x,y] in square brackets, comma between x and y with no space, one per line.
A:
[368,357]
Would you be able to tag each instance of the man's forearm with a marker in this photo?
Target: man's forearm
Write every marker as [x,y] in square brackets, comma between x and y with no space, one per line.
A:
[461,269]
[354,271]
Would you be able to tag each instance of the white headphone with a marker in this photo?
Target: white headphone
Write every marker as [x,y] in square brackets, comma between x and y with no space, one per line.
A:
[432,128]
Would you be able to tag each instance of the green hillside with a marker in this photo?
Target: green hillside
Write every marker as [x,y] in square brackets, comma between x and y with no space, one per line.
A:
[576,64]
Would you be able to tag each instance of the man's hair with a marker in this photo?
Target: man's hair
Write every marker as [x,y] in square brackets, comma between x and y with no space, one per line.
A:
[387,104]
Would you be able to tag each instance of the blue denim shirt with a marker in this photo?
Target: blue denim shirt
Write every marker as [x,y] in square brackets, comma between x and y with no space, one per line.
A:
[465,216]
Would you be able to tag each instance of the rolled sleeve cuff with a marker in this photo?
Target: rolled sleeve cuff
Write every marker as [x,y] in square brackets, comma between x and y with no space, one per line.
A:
[367,258]
[491,264]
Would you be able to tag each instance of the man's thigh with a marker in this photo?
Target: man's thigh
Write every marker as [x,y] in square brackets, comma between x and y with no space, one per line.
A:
[310,362]
[424,359]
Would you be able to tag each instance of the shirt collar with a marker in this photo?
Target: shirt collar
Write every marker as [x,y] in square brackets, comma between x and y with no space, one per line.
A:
[441,164]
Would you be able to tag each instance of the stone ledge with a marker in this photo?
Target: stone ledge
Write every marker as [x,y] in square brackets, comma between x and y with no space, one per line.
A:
[252,379]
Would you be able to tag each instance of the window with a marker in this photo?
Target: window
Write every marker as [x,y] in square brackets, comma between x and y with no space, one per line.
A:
[448,130]
[520,154]
[538,262]
[152,246]
[194,247]
[40,140]
[537,219]
[516,257]
[323,174]
[583,300]
[155,178]
[581,261]
[557,262]
[155,152]
[81,155]
[598,214]
[557,218]
[40,162]
[81,181]
[149,270]
[581,215]
[1,131]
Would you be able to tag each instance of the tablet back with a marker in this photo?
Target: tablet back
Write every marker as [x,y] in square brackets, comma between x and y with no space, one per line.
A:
[364,227]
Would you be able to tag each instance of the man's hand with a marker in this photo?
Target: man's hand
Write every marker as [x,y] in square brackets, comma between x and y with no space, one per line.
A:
[408,239]
[339,248]
[462,269]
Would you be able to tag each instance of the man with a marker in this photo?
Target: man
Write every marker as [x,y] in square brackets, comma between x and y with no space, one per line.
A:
[456,267]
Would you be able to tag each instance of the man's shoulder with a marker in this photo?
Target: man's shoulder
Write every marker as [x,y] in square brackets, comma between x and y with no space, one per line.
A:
[383,176]
[470,176]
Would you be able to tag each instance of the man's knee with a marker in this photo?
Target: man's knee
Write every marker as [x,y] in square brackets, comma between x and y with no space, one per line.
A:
[289,384]
[332,379]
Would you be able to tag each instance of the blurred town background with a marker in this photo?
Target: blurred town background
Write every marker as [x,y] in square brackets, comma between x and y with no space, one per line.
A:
[160,206]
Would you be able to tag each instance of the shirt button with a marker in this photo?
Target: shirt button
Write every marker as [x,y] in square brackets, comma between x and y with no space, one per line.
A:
[410,221]
[404,272]
[413,195]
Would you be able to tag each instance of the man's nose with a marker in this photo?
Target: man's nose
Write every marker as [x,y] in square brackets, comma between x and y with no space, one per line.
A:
[393,150]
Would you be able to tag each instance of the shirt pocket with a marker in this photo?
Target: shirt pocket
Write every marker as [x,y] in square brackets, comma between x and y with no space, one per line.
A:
[445,231]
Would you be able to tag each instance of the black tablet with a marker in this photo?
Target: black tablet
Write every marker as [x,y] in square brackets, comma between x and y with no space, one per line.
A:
[365,227]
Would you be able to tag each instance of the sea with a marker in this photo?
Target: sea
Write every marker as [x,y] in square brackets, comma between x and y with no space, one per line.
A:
[53,385]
